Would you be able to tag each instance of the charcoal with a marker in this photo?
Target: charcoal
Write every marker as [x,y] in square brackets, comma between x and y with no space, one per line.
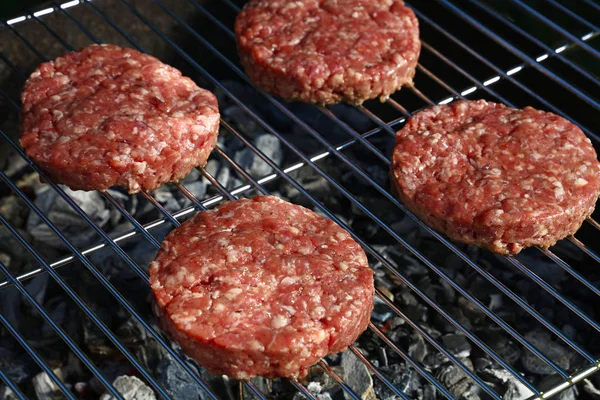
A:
[220,172]
[180,385]
[316,390]
[252,163]
[131,388]
[471,394]
[11,306]
[555,352]
[448,292]
[16,255]
[356,375]
[57,309]
[263,384]
[417,349]
[381,312]
[433,361]
[570,332]
[443,324]
[44,386]
[16,167]
[459,316]
[482,364]
[176,381]
[457,345]
[173,377]
[83,389]
[512,387]
[65,218]
[542,266]
[590,389]
[455,379]
[5,259]
[496,302]
[110,370]
[14,211]
[470,310]
[241,120]
[552,381]
[168,200]
[196,184]
[404,378]
[7,394]
[428,392]
[128,202]
[17,368]
[434,333]
[505,347]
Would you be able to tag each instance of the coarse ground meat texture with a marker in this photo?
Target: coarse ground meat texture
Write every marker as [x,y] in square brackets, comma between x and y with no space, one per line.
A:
[328,51]
[261,287]
[494,176]
[106,116]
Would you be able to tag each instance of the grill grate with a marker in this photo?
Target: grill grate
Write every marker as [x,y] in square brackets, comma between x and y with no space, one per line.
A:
[548,68]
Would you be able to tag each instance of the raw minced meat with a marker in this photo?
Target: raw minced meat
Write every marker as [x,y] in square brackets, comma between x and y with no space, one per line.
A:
[261,287]
[327,51]
[107,116]
[495,176]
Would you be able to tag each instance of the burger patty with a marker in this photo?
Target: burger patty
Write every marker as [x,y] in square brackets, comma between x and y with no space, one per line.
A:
[495,176]
[106,116]
[328,51]
[261,287]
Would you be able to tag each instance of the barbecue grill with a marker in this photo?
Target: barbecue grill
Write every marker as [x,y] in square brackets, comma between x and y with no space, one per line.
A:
[542,53]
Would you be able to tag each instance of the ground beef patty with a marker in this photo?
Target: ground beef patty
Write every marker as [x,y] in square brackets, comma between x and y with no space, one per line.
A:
[494,176]
[261,287]
[107,116]
[327,51]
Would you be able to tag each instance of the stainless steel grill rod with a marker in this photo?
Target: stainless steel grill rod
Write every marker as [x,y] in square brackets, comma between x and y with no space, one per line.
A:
[391,198]
[38,360]
[223,88]
[59,331]
[503,74]
[535,40]
[559,29]
[518,53]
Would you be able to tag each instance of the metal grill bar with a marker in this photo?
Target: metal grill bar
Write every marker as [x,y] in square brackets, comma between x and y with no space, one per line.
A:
[165,213]
[11,385]
[562,31]
[98,275]
[99,323]
[33,354]
[498,71]
[140,272]
[63,335]
[533,39]
[447,354]
[528,60]
[555,330]
[144,230]
[592,4]
[574,15]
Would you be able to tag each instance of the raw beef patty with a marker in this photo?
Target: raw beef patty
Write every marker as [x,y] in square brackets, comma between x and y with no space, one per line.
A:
[106,116]
[261,287]
[328,51]
[494,176]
